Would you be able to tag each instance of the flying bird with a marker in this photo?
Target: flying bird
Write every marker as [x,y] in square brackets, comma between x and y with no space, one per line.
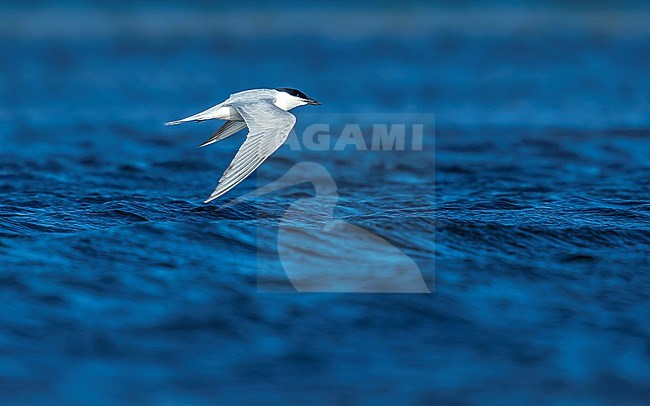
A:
[266,114]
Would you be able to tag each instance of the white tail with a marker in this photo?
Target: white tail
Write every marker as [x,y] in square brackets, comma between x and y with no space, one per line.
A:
[208,114]
[176,122]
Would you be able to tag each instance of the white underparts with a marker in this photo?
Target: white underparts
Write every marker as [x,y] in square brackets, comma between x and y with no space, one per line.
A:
[228,113]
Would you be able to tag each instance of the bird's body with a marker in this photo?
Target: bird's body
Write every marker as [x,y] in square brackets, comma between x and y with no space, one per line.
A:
[266,114]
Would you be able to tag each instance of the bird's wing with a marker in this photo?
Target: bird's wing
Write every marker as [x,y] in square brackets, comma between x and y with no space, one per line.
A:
[225,131]
[269,127]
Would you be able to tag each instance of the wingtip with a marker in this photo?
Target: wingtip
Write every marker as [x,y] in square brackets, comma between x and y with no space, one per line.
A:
[211,198]
[216,194]
[205,144]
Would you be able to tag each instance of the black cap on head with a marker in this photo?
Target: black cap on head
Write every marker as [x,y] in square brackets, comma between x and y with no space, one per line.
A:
[299,94]
[293,92]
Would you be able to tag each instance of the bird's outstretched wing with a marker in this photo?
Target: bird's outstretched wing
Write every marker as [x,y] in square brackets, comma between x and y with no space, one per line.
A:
[269,127]
[225,131]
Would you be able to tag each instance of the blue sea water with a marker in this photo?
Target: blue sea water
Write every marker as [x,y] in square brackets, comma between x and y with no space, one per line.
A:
[527,210]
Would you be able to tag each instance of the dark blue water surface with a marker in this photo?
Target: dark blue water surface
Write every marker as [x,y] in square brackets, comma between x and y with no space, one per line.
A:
[530,202]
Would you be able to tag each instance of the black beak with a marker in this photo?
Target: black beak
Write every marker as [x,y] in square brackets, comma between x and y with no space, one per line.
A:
[312,101]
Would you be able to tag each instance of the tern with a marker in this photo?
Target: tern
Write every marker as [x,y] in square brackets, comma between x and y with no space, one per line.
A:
[266,114]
